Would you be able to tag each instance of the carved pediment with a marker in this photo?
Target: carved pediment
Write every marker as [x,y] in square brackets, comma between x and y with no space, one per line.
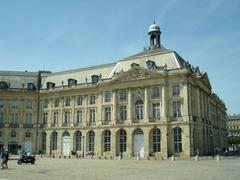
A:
[136,73]
[205,80]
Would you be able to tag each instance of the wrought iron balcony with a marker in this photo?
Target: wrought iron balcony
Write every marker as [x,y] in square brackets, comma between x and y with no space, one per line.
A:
[135,120]
[54,125]
[43,125]
[91,123]
[66,124]
[78,124]
[106,122]
[14,125]
[27,125]
[153,119]
[121,121]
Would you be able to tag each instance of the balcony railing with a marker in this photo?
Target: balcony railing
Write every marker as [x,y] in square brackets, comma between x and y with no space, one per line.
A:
[27,125]
[66,124]
[14,125]
[135,120]
[153,119]
[43,125]
[121,121]
[78,124]
[91,123]
[54,125]
[106,122]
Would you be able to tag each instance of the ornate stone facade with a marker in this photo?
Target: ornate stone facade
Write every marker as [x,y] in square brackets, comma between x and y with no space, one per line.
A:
[150,104]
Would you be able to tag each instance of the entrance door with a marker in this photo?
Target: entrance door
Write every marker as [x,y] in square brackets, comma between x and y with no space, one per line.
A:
[28,146]
[138,142]
[66,145]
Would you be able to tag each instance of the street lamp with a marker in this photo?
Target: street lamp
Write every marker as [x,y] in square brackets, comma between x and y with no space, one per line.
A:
[83,147]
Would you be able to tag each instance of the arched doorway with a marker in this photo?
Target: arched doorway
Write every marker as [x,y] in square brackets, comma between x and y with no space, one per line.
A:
[138,143]
[66,143]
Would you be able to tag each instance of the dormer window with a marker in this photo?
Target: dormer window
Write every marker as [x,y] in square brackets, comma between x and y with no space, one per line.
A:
[30,87]
[151,65]
[72,82]
[3,85]
[95,79]
[133,65]
[50,85]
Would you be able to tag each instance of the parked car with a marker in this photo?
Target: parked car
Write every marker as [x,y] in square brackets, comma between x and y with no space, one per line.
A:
[26,158]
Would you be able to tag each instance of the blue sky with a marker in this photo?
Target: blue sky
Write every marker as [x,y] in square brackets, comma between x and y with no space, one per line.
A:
[58,35]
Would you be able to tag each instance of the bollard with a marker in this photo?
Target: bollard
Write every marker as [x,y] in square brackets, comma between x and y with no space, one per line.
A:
[196,158]
[138,157]
[173,158]
[218,158]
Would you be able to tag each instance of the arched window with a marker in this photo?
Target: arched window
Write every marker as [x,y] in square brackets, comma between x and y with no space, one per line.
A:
[44,139]
[3,85]
[107,140]
[156,140]
[78,138]
[177,139]
[54,141]
[139,110]
[122,140]
[91,138]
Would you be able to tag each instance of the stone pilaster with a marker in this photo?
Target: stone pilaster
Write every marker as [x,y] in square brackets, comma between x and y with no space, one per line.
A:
[146,104]
[129,112]
[114,107]
[164,108]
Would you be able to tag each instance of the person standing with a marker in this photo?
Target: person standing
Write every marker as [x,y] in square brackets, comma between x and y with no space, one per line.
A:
[3,159]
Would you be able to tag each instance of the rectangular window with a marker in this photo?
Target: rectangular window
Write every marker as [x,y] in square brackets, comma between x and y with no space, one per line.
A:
[45,118]
[28,118]
[123,113]
[107,96]
[80,101]
[79,116]
[55,117]
[176,109]
[92,115]
[45,104]
[155,92]
[1,117]
[14,119]
[92,99]
[107,114]
[56,103]
[123,96]
[1,103]
[176,90]
[156,111]
[14,104]
[66,117]
[29,104]
[67,101]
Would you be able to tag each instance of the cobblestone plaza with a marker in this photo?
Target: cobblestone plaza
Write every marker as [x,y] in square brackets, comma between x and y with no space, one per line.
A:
[87,169]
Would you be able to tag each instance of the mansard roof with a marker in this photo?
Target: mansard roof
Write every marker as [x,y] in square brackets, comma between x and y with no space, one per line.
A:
[18,79]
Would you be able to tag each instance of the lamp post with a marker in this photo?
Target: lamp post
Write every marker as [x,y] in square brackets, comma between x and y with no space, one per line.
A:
[83,147]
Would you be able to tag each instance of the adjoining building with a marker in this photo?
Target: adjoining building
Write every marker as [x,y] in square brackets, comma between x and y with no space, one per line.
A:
[233,126]
[153,103]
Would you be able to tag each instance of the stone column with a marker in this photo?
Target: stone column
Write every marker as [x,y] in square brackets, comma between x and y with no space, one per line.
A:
[99,109]
[129,143]
[164,142]
[146,142]
[129,112]
[48,143]
[114,107]
[72,115]
[61,105]
[59,143]
[98,143]
[164,104]
[113,142]
[146,105]
[185,104]
[85,117]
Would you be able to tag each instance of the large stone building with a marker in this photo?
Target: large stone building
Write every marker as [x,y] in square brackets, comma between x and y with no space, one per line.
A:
[150,104]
